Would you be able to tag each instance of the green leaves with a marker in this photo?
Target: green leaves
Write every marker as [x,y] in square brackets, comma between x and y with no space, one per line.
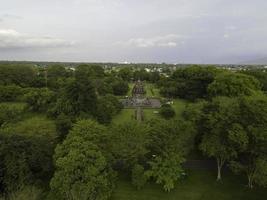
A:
[166,170]
[82,171]
[233,84]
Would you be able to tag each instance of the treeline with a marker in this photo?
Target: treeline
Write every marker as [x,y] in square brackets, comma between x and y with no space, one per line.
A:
[196,82]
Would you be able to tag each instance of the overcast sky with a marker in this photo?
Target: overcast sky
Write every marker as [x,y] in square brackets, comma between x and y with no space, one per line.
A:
[172,31]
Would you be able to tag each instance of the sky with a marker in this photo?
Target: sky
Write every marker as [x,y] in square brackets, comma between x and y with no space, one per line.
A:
[170,31]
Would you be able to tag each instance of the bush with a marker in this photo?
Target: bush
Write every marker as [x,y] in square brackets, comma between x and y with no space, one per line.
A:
[167,111]
[120,87]
[63,124]
[10,93]
[25,193]
[39,99]
[10,111]
[138,177]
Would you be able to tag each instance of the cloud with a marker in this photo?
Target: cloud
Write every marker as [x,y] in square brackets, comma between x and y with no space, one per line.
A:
[226,35]
[171,40]
[4,17]
[10,38]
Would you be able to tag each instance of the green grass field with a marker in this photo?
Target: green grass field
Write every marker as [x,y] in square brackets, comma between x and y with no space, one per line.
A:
[151,90]
[199,185]
[124,116]
[129,93]
[179,106]
[127,114]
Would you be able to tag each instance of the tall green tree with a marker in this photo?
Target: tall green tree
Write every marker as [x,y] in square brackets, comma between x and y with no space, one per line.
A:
[82,171]
[252,161]
[129,143]
[166,170]
[224,137]
[233,84]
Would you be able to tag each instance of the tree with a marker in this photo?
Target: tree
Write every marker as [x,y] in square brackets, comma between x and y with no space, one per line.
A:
[10,93]
[141,74]
[10,112]
[260,75]
[63,124]
[89,71]
[154,77]
[223,136]
[233,84]
[138,176]
[17,74]
[129,143]
[82,171]
[166,170]
[167,111]
[107,107]
[55,76]
[172,136]
[26,152]
[39,100]
[91,131]
[189,83]
[252,161]
[81,96]
[125,73]
[120,87]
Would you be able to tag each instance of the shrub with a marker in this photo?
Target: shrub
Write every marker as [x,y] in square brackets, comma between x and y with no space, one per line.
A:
[167,111]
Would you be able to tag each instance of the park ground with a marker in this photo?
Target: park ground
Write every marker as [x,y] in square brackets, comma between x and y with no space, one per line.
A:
[200,184]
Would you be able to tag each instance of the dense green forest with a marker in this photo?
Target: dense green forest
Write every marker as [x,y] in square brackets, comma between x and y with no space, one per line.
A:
[65,134]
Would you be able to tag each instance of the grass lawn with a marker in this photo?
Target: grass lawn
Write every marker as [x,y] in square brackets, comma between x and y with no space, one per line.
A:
[124,116]
[179,106]
[199,185]
[129,93]
[149,114]
[151,90]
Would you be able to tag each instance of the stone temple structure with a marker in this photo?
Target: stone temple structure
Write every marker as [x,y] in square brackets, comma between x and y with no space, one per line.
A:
[139,99]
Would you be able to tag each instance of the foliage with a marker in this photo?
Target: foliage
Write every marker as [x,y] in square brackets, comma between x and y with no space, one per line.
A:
[223,136]
[79,96]
[141,75]
[166,170]
[252,161]
[39,100]
[107,107]
[25,193]
[17,74]
[25,160]
[10,93]
[129,143]
[173,136]
[233,84]
[120,87]
[189,83]
[167,111]
[63,125]
[125,73]
[82,171]
[55,76]
[91,131]
[260,75]
[138,176]
[35,126]
[10,112]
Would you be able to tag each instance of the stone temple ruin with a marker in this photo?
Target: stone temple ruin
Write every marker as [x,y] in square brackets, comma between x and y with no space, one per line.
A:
[139,99]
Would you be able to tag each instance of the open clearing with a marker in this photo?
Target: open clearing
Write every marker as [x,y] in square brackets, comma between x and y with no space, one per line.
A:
[199,185]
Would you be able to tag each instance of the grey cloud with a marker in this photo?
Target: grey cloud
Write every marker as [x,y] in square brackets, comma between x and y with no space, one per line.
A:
[170,40]
[205,31]
[12,39]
